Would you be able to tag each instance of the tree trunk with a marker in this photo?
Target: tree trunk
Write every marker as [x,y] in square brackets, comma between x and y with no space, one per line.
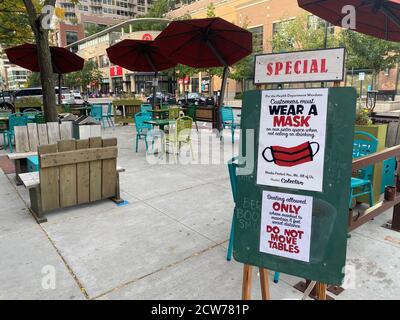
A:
[44,60]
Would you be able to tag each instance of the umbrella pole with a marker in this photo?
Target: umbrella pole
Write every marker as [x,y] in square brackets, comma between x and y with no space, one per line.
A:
[59,88]
[221,97]
[154,91]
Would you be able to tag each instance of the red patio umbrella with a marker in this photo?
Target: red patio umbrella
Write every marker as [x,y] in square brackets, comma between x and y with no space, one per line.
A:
[206,43]
[378,18]
[63,60]
[140,55]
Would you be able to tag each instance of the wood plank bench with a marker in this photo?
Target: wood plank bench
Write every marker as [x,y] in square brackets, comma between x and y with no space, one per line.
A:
[28,138]
[73,172]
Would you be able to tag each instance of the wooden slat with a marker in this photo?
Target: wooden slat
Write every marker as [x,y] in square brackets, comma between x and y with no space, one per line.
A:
[21,139]
[109,172]
[49,186]
[95,131]
[66,130]
[21,155]
[33,136]
[42,133]
[67,179]
[70,157]
[82,175]
[95,171]
[84,132]
[30,179]
[53,130]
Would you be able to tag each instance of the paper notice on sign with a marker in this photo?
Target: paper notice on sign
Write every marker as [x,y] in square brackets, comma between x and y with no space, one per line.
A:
[286,225]
[292,138]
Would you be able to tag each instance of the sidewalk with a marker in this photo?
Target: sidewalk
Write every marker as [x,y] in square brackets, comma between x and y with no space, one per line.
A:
[169,242]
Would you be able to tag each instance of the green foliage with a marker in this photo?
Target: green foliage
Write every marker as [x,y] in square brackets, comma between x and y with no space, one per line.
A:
[33,80]
[94,28]
[14,24]
[211,10]
[365,52]
[362,116]
[299,34]
[90,74]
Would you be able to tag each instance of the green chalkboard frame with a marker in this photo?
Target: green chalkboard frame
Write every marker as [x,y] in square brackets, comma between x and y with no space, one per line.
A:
[330,207]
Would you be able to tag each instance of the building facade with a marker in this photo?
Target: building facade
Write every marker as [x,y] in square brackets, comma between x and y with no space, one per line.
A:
[116,79]
[88,15]
[263,18]
[12,77]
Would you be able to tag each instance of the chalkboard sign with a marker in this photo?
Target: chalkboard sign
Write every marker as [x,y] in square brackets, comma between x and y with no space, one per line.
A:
[292,209]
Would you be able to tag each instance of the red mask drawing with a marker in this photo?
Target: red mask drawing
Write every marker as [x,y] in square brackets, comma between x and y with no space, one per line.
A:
[290,157]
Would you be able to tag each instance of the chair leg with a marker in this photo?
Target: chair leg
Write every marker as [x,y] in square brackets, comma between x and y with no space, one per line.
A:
[276,277]
[351,197]
[10,142]
[233,135]
[371,195]
[145,141]
[230,246]
[196,125]
[137,142]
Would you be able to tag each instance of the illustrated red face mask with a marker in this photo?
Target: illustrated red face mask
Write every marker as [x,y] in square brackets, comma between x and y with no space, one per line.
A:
[289,157]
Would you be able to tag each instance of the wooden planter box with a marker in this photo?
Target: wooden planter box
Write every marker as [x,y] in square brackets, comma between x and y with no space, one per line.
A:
[379,132]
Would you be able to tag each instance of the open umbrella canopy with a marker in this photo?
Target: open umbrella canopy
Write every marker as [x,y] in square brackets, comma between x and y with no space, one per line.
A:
[205,43]
[378,18]
[139,55]
[63,60]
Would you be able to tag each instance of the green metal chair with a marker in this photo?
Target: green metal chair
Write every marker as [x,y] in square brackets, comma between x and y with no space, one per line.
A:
[173,113]
[142,128]
[227,120]
[363,145]
[39,118]
[191,112]
[181,134]
[15,120]
[31,113]
[96,112]
[233,164]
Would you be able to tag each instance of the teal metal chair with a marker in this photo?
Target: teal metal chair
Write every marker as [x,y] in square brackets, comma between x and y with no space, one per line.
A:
[142,128]
[3,127]
[108,116]
[363,145]
[191,112]
[14,120]
[96,112]
[233,164]
[228,120]
[388,173]
[31,113]
[146,107]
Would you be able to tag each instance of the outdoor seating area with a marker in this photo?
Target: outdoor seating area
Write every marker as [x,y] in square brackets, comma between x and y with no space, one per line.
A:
[160,239]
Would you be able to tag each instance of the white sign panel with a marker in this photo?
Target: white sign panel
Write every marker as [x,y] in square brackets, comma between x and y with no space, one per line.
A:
[361,76]
[301,66]
[286,225]
[292,138]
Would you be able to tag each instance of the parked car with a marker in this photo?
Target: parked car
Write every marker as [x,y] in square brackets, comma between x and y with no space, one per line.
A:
[33,94]
[164,97]
[196,98]
[77,97]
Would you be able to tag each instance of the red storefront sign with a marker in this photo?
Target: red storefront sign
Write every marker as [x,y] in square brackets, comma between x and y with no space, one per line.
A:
[184,80]
[147,36]
[116,71]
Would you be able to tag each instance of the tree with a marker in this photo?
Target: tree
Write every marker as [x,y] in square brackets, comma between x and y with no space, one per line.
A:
[300,33]
[89,75]
[94,28]
[14,25]
[366,52]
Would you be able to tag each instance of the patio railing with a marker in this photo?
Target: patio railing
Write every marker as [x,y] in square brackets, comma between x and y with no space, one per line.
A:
[383,205]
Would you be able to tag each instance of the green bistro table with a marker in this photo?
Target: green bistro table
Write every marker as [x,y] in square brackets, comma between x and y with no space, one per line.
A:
[160,122]
[163,113]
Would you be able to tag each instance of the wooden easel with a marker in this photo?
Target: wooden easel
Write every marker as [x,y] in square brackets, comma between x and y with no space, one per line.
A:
[320,288]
